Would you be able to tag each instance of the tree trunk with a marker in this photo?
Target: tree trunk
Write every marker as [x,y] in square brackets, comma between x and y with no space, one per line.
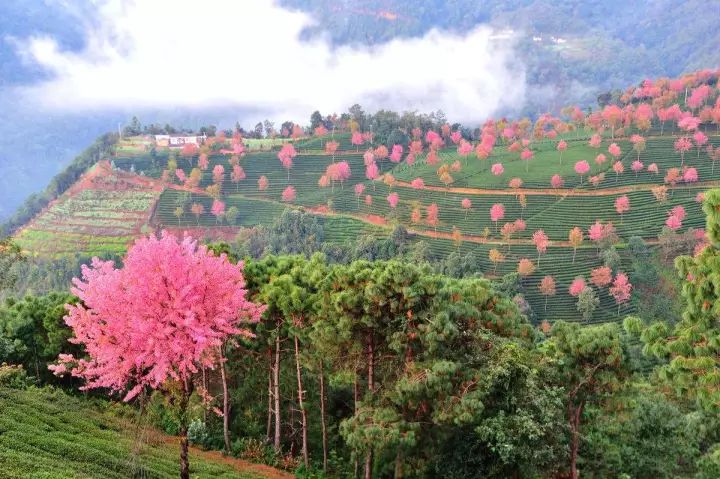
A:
[322,417]
[276,391]
[301,404]
[371,388]
[226,406]
[575,416]
[184,401]
[356,397]
[270,397]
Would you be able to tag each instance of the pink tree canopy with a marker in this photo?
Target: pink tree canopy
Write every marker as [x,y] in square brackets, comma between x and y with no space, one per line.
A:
[497,212]
[595,141]
[464,148]
[133,336]
[393,199]
[263,183]
[621,289]
[614,150]
[637,166]
[577,286]
[217,209]
[396,155]
[673,222]
[556,181]
[622,205]
[289,194]
[466,203]
[418,183]
[497,169]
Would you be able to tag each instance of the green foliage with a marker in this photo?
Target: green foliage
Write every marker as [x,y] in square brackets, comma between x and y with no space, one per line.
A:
[693,345]
[47,433]
[648,438]
[35,331]
[14,377]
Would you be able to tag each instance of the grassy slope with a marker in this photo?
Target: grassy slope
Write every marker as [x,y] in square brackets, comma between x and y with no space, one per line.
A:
[48,434]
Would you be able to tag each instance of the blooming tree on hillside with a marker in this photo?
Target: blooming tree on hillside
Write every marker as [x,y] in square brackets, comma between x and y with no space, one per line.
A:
[497,212]
[263,183]
[621,289]
[289,194]
[577,285]
[561,146]
[541,241]
[497,169]
[582,168]
[134,338]
[466,204]
[547,288]
[286,155]
[431,215]
[622,205]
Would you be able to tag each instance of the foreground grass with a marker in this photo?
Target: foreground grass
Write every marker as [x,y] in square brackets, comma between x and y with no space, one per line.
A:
[47,434]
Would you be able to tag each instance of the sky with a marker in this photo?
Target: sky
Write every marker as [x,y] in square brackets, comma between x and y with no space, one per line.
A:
[171,54]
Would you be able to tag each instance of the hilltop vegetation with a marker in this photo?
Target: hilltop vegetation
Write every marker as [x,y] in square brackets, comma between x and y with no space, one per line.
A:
[417,299]
[553,200]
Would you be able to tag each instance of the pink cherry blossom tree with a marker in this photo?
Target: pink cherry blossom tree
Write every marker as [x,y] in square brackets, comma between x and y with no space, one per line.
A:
[595,140]
[526,155]
[682,145]
[286,155]
[497,212]
[541,241]
[237,175]
[357,139]
[653,168]
[700,140]
[618,168]
[134,338]
[497,169]
[556,181]
[614,150]
[372,173]
[263,183]
[600,159]
[418,183]
[466,204]
[596,232]
[561,146]
[673,222]
[218,210]
[431,215]
[203,161]
[218,174]
[359,190]
[393,199]
[622,205]
[621,289]
[396,155]
[582,168]
[289,194]
[637,166]
[577,286]
[464,148]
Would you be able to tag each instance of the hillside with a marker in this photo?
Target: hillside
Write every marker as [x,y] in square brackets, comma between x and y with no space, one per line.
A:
[47,433]
[630,154]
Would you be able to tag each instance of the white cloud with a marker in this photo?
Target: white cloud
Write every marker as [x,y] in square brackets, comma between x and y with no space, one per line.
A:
[247,54]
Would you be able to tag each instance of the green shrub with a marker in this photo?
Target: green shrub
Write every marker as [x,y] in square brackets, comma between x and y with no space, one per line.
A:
[14,376]
[197,432]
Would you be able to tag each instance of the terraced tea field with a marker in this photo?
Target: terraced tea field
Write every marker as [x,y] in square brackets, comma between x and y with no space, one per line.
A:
[102,213]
